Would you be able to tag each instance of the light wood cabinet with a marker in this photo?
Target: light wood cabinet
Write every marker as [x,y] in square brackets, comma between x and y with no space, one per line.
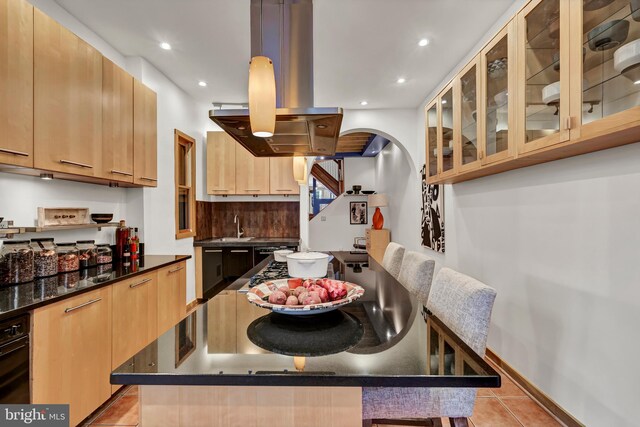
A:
[71,351]
[172,289]
[252,173]
[145,141]
[448,119]
[221,323]
[221,163]
[468,129]
[67,100]
[432,120]
[135,316]
[16,83]
[281,176]
[117,123]
[377,242]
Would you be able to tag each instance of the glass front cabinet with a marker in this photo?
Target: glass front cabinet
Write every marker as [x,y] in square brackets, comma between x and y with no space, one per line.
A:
[431,114]
[467,84]
[447,138]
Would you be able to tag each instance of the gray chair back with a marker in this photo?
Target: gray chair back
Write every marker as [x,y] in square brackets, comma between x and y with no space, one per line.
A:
[464,304]
[416,274]
[392,260]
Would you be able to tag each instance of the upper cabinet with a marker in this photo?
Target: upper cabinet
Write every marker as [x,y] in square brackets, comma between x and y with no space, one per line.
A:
[16,83]
[67,100]
[281,176]
[252,173]
[221,163]
[447,138]
[117,123]
[431,115]
[145,141]
[468,84]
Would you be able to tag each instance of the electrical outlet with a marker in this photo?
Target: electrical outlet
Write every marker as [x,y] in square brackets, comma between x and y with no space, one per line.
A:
[323,218]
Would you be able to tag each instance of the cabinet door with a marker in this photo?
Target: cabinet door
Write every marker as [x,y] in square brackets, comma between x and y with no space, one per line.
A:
[497,109]
[145,141]
[16,83]
[605,67]
[449,132]
[252,173]
[172,290]
[221,323]
[135,316]
[236,262]
[71,350]
[281,176]
[431,115]
[468,83]
[67,100]
[117,123]
[221,163]
[543,74]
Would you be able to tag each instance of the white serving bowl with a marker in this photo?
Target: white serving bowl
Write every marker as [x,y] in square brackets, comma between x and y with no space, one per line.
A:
[551,93]
[627,59]
[281,255]
[307,264]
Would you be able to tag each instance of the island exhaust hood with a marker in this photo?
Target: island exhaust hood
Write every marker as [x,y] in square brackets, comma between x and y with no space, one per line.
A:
[283,31]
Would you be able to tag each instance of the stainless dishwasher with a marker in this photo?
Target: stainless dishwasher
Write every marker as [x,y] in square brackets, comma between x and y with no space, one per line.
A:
[14,360]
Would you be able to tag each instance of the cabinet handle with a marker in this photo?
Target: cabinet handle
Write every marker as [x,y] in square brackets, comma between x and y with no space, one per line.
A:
[82,165]
[135,285]
[117,172]
[567,123]
[239,251]
[146,178]
[68,310]
[17,153]
[252,189]
[176,270]
[481,155]
[288,189]
[212,251]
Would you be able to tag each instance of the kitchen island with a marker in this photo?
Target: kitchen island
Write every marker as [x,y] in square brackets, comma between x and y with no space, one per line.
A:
[230,362]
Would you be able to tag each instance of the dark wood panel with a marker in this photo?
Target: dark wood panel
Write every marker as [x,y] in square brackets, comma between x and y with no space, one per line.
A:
[204,220]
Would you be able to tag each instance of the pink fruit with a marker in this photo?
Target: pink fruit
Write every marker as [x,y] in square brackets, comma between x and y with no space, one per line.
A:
[311,298]
[284,289]
[278,297]
[302,297]
[292,300]
[299,290]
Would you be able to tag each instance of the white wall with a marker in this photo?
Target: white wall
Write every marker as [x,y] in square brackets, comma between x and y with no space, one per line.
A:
[330,229]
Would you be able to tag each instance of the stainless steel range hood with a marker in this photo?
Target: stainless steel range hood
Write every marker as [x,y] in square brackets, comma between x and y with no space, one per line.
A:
[283,31]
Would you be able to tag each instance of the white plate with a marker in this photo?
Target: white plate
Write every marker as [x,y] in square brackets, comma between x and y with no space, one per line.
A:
[259,295]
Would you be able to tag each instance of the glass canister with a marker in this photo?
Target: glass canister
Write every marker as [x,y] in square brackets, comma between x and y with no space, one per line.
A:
[87,253]
[45,257]
[16,262]
[68,257]
[105,255]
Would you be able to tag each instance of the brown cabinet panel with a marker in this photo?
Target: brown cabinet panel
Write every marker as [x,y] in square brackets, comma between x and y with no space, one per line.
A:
[117,123]
[221,323]
[252,173]
[145,141]
[135,316]
[281,176]
[221,163]
[172,295]
[67,100]
[16,83]
[71,350]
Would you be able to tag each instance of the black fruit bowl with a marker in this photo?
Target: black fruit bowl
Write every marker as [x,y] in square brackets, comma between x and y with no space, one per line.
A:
[368,191]
[101,218]
[349,191]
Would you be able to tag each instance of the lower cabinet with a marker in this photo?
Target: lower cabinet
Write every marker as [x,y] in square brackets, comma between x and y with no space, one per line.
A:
[171,296]
[236,262]
[72,353]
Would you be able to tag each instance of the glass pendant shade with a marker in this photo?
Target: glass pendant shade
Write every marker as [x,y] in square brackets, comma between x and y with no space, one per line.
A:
[262,97]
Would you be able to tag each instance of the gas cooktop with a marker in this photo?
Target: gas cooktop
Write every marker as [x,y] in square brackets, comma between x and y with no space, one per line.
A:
[275,270]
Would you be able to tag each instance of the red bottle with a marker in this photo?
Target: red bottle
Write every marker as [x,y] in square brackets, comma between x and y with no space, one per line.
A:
[122,238]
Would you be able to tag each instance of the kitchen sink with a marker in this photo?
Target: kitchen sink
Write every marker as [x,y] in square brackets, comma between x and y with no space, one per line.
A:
[233,239]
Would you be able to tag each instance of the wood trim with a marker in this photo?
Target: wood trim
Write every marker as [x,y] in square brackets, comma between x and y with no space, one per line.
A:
[181,138]
[193,304]
[542,398]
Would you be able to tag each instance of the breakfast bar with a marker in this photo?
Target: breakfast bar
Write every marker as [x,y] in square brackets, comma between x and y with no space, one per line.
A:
[233,362]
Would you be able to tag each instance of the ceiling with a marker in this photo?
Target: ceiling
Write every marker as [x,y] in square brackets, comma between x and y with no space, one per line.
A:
[361,47]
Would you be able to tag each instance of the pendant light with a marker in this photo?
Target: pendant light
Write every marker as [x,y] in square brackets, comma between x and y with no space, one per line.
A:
[262,97]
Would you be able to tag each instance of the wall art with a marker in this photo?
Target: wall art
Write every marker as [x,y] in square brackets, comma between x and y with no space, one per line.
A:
[358,213]
[432,214]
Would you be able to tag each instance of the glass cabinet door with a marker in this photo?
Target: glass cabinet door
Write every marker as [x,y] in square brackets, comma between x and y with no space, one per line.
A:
[543,74]
[447,149]
[431,140]
[468,84]
[498,69]
[610,64]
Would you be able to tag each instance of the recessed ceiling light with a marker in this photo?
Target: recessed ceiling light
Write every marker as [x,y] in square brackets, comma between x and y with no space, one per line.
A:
[423,42]
[363,103]
[165,46]
[444,101]
[401,80]
[202,84]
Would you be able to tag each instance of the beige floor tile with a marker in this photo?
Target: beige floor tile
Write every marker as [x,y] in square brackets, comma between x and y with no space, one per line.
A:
[529,413]
[489,412]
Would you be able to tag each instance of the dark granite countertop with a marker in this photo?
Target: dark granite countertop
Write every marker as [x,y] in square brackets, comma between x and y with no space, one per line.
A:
[256,241]
[18,299]
[382,339]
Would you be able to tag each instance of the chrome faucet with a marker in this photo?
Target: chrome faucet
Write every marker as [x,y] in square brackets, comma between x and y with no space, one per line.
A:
[239,231]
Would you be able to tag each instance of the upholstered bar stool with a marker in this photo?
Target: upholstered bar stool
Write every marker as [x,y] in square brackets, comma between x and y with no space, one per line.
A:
[416,274]
[464,304]
[392,260]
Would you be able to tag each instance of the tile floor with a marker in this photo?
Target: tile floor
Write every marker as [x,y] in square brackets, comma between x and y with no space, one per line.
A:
[503,407]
